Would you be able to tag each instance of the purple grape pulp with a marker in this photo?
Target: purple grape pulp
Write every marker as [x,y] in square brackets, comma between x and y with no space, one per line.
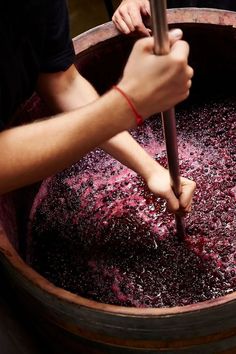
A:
[97,231]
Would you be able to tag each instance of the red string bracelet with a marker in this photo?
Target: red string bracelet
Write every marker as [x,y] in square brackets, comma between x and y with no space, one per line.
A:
[138,118]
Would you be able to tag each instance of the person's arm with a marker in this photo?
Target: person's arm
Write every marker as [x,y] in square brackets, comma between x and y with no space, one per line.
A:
[129,15]
[68,90]
[35,151]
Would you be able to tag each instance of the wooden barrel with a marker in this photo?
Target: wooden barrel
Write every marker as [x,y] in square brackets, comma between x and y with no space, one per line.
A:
[78,325]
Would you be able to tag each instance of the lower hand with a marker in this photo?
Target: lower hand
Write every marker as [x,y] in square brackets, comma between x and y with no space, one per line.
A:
[158,181]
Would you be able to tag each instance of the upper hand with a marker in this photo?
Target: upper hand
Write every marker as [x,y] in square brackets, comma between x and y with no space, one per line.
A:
[157,83]
[128,16]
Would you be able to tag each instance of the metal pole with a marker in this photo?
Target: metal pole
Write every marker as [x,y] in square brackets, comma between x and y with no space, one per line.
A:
[162,47]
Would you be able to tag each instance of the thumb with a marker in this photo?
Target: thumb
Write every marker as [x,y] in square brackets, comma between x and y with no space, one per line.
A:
[147,44]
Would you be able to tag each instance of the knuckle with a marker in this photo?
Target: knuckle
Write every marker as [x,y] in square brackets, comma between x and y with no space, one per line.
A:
[138,26]
[174,207]
[189,84]
[122,11]
[186,95]
[184,205]
[190,72]
[180,63]
[139,44]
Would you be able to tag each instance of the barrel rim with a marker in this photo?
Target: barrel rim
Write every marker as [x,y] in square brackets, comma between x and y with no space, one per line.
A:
[185,15]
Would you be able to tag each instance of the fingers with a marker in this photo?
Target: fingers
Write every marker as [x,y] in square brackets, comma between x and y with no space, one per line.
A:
[179,48]
[186,197]
[179,54]
[145,45]
[179,57]
[137,21]
[182,205]
[164,80]
[180,51]
[172,201]
[159,183]
[190,74]
[146,9]
[128,18]
[124,25]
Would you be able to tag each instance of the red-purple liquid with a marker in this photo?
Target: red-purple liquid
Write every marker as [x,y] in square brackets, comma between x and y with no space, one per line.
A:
[97,231]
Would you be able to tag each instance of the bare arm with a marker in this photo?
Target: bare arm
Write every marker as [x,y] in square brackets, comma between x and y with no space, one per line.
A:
[32,152]
[69,90]
[35,151]
[66,91]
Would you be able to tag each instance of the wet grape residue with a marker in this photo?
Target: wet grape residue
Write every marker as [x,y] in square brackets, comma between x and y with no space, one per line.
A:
[97,231]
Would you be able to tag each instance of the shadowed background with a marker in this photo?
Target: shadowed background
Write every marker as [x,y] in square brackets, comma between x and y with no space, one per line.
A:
[86,14]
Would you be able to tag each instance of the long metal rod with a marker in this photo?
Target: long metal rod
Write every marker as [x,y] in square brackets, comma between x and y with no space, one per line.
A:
[162,47]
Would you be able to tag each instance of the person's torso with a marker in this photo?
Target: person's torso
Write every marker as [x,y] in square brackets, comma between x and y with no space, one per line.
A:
[21,28]
[34,38]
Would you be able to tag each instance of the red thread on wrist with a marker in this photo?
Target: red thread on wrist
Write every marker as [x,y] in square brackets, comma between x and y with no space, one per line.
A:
[138,118]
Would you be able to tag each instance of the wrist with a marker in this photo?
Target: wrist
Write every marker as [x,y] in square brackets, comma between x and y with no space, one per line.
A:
[131,88]
[118,108]
[153,168]
[138,118]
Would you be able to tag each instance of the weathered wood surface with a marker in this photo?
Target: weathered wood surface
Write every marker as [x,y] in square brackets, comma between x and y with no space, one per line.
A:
[15,337]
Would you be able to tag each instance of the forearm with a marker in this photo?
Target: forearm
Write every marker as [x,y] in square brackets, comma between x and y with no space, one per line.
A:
[125,149]
[32,152]
[79,92]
